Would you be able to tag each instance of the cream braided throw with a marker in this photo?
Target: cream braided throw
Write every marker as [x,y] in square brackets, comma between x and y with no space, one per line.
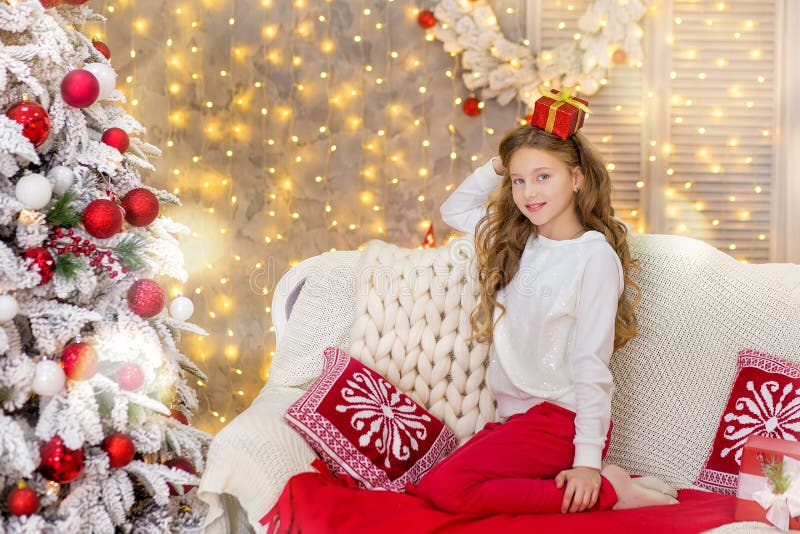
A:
[411,320]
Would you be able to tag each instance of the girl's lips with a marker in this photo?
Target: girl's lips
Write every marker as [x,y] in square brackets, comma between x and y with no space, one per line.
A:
[535,207]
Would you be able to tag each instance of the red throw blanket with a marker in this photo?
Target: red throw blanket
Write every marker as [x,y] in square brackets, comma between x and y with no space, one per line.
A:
[321,503]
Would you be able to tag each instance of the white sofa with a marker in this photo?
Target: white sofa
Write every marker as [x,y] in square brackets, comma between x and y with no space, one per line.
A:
[699,308]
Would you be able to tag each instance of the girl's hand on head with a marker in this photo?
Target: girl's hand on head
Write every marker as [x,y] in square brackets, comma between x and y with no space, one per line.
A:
[497,163]
[583,488]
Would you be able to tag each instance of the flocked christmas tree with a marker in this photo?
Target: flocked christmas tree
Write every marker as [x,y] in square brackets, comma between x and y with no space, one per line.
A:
[93,428]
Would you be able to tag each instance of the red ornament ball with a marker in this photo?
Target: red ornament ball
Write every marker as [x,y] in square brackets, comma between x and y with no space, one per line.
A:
[23,501]
[79,361]
[178,416]
[145,298]
[426,19]
[117,138]
[619,56]
[60,464]
[44,262]
[120,449]
[34,120]
[103,48]
[141,207]
[184,465]
[472,106]
[76,2]
[80,88]
[49,3]
[102,218]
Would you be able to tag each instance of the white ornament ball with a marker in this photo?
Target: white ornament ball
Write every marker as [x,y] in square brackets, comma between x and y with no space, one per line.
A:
[589,86]
[34,191]
[181,308]
[106,77]
[62,178]
[8,308]
[49,378]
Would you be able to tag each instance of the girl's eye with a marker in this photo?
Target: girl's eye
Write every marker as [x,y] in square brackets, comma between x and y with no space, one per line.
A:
[518,180]
[544,176]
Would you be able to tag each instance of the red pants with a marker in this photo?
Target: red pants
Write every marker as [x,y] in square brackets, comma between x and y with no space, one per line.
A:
[509,468]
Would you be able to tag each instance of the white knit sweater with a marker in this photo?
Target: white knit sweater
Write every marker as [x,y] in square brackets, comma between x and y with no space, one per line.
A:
[556,338]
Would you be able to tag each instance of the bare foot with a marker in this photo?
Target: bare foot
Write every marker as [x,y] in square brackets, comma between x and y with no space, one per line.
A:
[655,483]
[632,495]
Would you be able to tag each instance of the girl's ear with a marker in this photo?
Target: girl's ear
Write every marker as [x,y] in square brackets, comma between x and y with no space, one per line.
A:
[577,178]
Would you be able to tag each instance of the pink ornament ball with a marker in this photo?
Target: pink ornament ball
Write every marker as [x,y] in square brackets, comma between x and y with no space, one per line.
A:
[130,377]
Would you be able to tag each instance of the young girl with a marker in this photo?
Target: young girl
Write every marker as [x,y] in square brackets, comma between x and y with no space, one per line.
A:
[553,264]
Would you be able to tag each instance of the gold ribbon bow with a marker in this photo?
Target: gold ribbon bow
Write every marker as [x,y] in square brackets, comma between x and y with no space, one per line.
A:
[564,96]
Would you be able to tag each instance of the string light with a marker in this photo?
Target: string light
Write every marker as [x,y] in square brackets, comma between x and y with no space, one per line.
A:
[205,171]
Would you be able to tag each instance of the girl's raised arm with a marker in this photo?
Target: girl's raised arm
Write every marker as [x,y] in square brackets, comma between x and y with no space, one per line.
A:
[466,205]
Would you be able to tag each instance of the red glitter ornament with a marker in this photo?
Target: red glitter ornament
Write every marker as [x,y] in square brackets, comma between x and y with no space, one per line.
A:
[80,88]
[102,218]
[76,2]
[34,120]
[79,361]
[145,298]
[120,449]
[44,262]
[103,48]
[141,207]
[22,501]
[426,19]
[178,416]
[60,464]
[117,138]
[49,3]
[184,465]
[472,106]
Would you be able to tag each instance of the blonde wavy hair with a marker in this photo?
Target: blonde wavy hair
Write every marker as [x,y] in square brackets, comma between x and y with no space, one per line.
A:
[501,235]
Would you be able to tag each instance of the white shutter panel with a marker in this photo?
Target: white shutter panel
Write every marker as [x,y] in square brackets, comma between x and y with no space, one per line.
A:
[721,121]
[733,105]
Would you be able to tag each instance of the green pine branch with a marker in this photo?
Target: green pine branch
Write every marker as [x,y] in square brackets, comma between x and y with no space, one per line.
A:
[129,252]
[67,265]
[773,469]
[62,214]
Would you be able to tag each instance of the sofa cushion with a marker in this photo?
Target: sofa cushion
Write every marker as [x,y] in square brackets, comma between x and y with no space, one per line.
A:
[363,426]
[763,401]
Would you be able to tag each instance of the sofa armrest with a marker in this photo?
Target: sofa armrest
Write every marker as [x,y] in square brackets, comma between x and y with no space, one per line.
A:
[251,459]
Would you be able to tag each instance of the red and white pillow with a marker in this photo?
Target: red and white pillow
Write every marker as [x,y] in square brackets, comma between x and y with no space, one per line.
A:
[363,426]
[765,401]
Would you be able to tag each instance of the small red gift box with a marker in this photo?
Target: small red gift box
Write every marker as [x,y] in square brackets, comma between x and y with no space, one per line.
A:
[752,479]
[559,113]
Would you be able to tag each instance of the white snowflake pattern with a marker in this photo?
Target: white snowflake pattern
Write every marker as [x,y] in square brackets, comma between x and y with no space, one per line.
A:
[385,414]
[763,415]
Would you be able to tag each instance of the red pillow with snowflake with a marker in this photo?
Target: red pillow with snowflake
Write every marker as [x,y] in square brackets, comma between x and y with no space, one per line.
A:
[764,401]
[363,426]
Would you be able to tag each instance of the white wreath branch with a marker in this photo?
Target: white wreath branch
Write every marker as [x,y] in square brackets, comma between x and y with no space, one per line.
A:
[505,70]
